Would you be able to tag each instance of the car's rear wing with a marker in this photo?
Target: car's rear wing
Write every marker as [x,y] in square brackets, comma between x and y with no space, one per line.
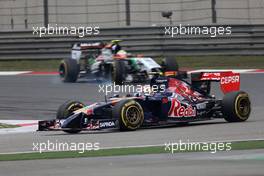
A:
[87,45]
[229,81]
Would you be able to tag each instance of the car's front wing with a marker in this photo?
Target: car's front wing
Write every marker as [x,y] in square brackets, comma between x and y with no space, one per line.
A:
[57,125]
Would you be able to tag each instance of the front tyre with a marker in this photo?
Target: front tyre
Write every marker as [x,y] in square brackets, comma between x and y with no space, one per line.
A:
[69,70]
[130,114]
[236,106]
[66,109]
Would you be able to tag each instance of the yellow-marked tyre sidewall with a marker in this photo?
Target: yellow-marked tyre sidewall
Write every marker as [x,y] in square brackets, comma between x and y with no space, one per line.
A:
[230,106]
[67,108]
[74,107]
[125,123]
[237,101]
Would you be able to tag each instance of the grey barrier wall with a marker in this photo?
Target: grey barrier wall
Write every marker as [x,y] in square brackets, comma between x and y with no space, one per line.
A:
[150,41]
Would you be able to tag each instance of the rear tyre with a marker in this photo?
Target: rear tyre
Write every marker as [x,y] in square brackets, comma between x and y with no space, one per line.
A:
[236,106]
[170,64]
[69,70]
[129,113]
[108,70]
[119,72]
[66,109]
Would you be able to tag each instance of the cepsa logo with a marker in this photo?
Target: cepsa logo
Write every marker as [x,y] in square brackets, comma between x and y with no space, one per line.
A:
[177,110]
[230,79]
[230,82]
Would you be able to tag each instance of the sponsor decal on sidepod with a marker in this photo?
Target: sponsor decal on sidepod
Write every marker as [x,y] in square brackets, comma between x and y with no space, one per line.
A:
[177,110]
[107,124]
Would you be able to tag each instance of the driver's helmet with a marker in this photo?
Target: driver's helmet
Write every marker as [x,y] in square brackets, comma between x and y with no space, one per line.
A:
[115,46]
[116,41]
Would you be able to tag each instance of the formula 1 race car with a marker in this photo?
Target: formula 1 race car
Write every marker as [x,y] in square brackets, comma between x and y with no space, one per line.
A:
[97,60]
[139,69]
[174,101]
[87,59]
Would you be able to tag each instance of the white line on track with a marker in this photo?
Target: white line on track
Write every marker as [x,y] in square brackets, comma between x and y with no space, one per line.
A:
[224,70]
[24,129]
[10,73]
[15,122]
[25,126]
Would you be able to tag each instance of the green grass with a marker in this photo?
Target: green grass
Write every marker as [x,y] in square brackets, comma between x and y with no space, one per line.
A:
[190,62]
[76,154]
[247,145]
[30,65]
[242,145]
[3,125]
[221,62]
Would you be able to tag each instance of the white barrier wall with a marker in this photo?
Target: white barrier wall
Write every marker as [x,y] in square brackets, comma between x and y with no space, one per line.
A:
[22,14]
[17,11]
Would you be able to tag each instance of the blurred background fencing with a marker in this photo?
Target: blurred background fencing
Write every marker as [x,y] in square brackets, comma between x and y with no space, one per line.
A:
[23,14]
[137,22]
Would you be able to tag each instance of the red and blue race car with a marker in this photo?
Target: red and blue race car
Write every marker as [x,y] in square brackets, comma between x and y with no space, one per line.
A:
[181,101]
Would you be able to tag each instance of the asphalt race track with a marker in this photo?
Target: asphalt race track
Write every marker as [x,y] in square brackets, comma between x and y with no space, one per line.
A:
[235,163]
[37,97]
